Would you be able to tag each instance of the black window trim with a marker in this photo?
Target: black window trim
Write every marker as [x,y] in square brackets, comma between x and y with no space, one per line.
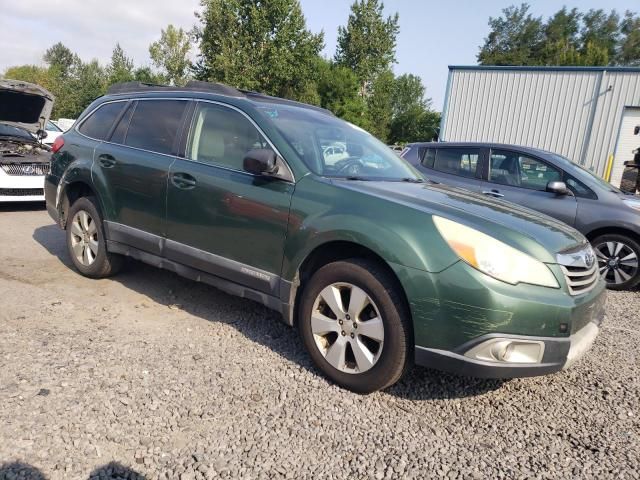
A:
[117,121]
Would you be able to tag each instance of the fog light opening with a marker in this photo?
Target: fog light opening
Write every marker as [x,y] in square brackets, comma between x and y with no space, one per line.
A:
[505,350]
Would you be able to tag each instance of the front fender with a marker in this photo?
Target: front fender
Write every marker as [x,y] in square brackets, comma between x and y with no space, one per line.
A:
[396,233]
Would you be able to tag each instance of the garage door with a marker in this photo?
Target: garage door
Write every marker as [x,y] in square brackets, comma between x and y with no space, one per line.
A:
[627,142]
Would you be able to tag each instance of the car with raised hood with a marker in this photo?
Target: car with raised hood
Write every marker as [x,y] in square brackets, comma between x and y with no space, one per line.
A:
[376,267]
[551,184]
[24,159]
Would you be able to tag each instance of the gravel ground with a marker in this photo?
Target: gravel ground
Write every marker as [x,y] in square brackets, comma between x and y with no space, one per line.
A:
[147,375]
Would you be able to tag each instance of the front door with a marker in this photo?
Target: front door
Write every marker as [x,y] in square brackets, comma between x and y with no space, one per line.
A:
[522,179]
[221,219]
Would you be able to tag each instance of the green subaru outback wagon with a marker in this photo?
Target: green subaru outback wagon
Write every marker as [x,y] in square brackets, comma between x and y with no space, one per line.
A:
[287,205]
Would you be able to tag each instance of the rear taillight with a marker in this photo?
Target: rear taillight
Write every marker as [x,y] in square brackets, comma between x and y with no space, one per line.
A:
[57,144]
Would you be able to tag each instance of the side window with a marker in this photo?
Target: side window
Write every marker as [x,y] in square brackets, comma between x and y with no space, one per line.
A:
[428,157]
[99,123]
[155,124]
[579,189]
[457,161]
[511,168]
[222,136]
[120,132]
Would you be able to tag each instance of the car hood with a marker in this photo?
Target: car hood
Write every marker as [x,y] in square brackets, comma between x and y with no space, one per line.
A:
[24,105]
[532,232]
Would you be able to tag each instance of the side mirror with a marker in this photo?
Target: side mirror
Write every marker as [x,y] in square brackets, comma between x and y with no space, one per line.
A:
[559,188]
[636,130]
[42,134]
[260,162]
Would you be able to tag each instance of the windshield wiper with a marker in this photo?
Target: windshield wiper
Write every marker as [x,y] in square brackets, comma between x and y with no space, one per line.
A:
[355,177]
[412,180]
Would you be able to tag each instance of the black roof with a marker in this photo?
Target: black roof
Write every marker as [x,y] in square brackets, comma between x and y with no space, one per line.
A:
[506,146]
[206,87]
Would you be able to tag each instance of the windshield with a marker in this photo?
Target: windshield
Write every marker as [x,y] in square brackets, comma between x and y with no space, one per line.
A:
[585,175]
[52,127]
[334,148]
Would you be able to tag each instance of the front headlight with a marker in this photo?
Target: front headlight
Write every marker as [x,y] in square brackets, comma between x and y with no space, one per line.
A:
[493,257]
[632,203]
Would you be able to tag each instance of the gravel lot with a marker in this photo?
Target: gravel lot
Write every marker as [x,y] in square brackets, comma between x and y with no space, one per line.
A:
[149,375]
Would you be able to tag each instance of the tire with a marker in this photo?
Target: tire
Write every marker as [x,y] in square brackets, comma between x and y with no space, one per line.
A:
[380,362]
[86,241]
[619,254]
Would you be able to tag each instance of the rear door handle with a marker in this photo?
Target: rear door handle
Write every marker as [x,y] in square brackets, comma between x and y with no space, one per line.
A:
[493,193]
[107,161]
[183,180]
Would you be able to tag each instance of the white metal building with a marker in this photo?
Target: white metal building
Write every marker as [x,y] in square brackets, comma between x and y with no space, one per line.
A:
[585,113]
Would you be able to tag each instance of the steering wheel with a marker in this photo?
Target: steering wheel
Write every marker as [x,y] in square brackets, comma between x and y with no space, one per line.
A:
[352,167]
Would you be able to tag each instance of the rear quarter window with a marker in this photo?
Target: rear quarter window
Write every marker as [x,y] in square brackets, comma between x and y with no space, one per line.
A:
[101,120]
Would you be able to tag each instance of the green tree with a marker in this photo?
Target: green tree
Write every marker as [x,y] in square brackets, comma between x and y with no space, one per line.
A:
[258,45]
[367,44]
[412,118]
[60,57]
[629,51]
[568,37]
[600,33]
[516,38]
[380,105]
[120,69]
[338,88]
[561,41]
[170,54]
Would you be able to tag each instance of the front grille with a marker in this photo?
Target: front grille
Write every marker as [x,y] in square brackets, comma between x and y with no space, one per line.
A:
[26,169]
[21,192]
[580,269]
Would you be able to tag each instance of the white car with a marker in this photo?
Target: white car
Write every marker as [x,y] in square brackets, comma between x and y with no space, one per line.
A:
[53,132]
[24,160]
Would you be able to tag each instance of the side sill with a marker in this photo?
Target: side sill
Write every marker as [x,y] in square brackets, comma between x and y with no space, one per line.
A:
[226,286]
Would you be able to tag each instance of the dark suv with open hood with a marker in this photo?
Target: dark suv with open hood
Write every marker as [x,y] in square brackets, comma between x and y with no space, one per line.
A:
[375,266]
[24,159]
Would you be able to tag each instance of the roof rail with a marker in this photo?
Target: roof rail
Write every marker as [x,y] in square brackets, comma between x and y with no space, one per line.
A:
[193,85]
[285,101]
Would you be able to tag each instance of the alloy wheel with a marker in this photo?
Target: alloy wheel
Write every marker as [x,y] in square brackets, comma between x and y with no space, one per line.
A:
[84,238]
[347,328]
[617,262]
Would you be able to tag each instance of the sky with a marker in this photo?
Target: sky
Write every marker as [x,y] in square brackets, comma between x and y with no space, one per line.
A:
[433,34]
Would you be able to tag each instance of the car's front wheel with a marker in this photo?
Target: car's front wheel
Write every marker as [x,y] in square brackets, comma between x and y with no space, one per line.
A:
[618,257]
[354,324]
[86,241]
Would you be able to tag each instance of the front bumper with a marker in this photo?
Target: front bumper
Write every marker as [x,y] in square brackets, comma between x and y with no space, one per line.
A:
[559,354]
[21,188]
[459,313]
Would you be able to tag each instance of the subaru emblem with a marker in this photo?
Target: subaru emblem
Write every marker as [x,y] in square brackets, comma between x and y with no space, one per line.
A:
[589,259]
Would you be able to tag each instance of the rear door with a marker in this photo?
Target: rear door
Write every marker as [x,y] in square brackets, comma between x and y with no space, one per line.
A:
[457,166]
[521,178]
[132,168]
[220,218]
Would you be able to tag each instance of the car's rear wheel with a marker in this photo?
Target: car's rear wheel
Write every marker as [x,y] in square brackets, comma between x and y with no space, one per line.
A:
[86,241]
[354,324]
[618,257]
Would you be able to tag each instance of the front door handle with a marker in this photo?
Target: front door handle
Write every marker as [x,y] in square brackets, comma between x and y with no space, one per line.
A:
[107,161]
[493,193]
[183,180]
